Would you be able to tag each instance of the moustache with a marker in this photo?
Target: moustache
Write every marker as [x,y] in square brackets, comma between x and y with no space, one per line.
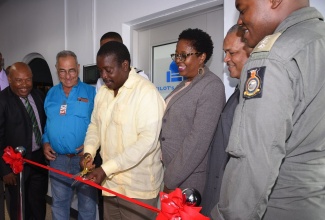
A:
[72,78]
[107,80]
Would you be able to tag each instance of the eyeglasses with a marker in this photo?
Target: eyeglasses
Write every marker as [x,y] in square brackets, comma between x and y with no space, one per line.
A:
[182,57]
[71,72]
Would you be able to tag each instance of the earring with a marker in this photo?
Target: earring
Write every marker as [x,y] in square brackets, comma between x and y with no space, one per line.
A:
[200,71]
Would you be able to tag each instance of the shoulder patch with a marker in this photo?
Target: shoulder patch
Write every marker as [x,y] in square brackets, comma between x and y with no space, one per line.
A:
[254,83]
[266,44]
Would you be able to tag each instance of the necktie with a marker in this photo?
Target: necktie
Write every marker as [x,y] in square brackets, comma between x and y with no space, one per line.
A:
[36,130]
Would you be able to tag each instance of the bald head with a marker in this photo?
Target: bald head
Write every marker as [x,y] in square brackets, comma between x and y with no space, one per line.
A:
[20,79]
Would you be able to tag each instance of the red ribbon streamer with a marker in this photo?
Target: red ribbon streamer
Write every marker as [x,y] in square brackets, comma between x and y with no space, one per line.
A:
[173,206]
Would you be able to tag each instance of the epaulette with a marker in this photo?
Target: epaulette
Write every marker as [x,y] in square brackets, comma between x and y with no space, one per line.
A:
[266,44]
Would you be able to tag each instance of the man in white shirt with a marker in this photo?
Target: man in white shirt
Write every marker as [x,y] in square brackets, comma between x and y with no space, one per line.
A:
[126,123]
[113,36]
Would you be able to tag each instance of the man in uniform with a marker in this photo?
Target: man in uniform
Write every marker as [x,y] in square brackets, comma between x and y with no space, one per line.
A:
[277,141]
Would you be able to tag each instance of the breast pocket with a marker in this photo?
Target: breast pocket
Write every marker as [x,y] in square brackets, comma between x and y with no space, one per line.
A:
[79,109]
[120,114]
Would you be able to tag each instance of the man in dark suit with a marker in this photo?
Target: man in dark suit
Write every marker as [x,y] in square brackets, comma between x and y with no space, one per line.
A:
[236,54]
[16,129]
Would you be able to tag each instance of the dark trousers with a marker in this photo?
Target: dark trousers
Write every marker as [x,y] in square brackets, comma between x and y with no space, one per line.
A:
[35,184]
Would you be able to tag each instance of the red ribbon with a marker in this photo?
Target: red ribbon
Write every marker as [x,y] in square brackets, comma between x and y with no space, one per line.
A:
[14,159]
[173,206]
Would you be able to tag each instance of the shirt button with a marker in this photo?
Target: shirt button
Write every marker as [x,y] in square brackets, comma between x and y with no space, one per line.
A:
[162,139]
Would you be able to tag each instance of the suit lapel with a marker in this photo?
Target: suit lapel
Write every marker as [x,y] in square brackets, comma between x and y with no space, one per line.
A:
[184,91]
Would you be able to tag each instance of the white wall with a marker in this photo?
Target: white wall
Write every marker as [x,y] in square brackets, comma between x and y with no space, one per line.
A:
[31,26]
[49,26]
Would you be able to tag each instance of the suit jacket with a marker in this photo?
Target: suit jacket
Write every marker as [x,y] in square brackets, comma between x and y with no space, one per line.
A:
[16,126]
[218,157]
[189,123]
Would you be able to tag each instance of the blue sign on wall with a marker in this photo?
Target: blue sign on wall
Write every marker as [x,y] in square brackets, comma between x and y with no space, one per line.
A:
[172,75]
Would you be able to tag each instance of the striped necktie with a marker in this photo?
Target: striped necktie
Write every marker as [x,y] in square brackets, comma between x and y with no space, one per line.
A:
[36,130]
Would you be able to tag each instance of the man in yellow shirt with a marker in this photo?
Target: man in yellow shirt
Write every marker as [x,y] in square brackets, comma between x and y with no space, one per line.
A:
[126,123]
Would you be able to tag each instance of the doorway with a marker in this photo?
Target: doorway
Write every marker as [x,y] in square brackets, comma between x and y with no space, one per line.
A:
[155,33]
[42,78]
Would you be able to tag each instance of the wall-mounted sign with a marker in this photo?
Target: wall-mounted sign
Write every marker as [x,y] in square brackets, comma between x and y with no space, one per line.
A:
[165,74]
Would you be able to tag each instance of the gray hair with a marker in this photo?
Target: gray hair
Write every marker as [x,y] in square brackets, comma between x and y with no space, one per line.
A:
[238,30]
[66,53]
[234,28]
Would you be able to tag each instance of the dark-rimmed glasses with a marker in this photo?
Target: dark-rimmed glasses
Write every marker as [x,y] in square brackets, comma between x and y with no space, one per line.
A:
[182,56]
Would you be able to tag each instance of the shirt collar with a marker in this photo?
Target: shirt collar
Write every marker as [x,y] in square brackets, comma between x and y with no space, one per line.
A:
[298,16]
[130,82]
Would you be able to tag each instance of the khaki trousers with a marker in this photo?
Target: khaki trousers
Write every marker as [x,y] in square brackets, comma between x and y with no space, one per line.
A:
[116,208]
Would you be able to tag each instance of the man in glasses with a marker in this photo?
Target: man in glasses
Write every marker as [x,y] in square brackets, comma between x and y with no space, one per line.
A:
[68,107]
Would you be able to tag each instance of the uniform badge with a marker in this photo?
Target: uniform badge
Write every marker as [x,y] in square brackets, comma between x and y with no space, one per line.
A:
[254,83]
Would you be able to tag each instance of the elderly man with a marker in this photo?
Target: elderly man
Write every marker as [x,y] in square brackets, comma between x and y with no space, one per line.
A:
[277,164]
[126,123]
[68,107]
[22,119]
[236,54]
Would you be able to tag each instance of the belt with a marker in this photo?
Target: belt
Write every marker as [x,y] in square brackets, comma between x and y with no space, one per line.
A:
[71,155]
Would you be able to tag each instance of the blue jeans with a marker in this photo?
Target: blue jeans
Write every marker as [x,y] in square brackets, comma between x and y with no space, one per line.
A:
[62,191]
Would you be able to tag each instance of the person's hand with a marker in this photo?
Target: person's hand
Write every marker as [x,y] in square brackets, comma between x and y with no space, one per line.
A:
[87,160]
[10,179]
[80,150]
[97,175]
[166,190]
[48,151]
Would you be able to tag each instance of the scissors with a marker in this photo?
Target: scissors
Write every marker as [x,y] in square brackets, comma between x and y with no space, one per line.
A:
[84,172]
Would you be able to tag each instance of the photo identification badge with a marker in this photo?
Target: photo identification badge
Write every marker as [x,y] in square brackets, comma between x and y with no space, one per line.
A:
[63,108]
[254,82]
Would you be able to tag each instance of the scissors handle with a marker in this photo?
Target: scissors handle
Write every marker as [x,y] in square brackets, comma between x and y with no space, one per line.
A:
[84,172]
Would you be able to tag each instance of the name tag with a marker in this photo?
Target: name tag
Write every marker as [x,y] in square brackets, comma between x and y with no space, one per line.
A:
[80,99]
[63,109]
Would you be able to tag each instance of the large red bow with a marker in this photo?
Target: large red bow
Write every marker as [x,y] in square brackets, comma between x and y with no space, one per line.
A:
[15,160]
[173,207]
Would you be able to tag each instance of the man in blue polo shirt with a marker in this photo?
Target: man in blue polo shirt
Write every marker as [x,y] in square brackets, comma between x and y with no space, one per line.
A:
[68,107]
